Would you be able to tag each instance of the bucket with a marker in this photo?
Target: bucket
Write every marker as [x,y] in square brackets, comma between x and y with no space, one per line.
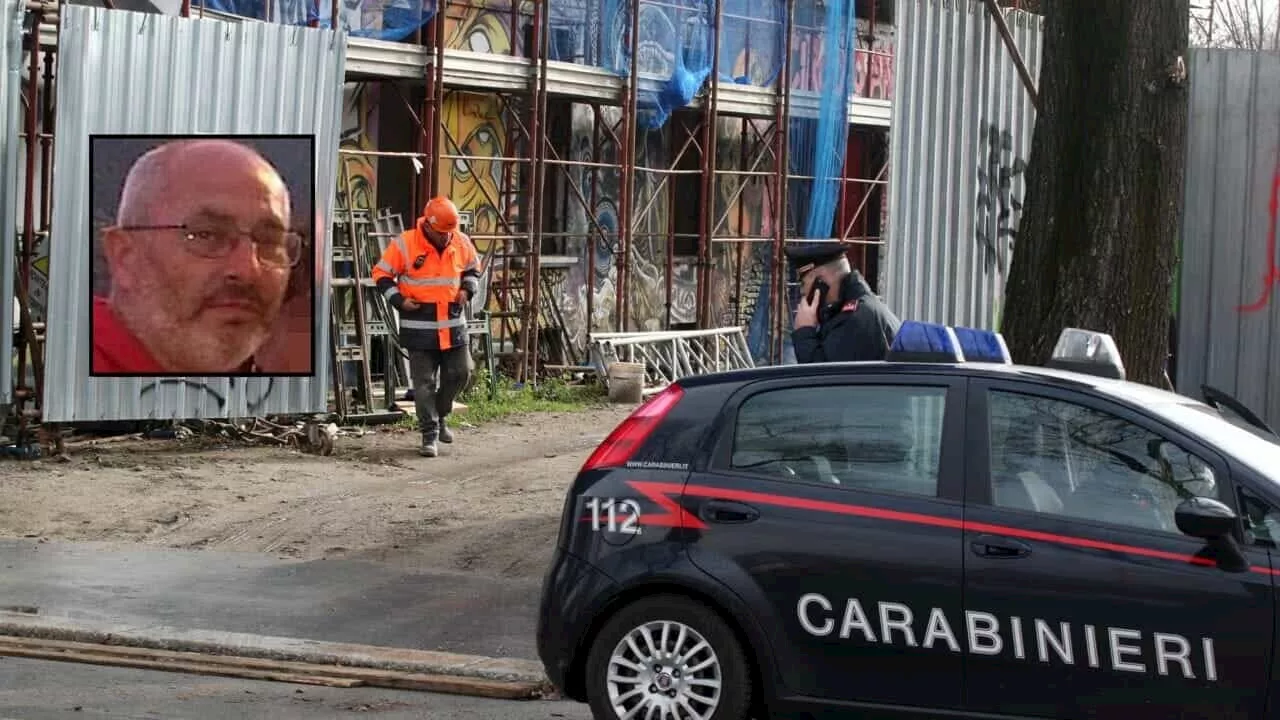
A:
[626,382]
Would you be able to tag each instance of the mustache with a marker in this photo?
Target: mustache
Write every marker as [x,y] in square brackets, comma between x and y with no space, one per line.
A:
[237,293]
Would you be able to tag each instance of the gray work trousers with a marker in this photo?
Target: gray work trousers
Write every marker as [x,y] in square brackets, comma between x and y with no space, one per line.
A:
[438,377]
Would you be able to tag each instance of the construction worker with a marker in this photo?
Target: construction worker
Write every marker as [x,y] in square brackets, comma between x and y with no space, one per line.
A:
[429,274]
[839,319]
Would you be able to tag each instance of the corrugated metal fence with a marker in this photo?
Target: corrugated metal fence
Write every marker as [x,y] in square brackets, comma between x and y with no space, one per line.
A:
[1229,319]
[962,124]
[126,72]
[10,142]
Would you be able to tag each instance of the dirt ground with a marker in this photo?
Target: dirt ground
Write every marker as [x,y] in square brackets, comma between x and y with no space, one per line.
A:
[490,503]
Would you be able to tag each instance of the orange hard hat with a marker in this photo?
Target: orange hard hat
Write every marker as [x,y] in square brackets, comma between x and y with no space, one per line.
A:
[441,214]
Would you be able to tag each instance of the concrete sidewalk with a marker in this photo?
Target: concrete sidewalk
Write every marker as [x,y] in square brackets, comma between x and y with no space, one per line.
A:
[342,601]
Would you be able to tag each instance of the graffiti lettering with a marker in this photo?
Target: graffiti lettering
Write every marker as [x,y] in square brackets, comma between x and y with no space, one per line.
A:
[997,201]
[1271,275]
[255,397]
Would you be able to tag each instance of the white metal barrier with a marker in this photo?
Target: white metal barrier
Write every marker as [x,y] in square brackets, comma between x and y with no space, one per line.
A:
[669,355]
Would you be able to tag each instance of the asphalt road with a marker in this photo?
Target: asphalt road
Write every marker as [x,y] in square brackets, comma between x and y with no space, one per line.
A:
[42,690]
[346,601]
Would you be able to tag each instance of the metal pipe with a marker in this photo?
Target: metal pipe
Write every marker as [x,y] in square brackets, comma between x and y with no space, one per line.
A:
[707,205]
[29,345]
[782,135]
[334,14]
[541,25]
[436,103]
[737,193]
[666,173]
[884,169]
[382,153]
[582,164]
[668,281]
[627,152]
[1012,47]
[739,250]
[591,214]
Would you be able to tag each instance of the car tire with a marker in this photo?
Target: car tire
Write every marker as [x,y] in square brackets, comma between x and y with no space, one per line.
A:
[613,674]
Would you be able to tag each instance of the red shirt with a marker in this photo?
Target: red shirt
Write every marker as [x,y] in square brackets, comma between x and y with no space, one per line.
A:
[117,350]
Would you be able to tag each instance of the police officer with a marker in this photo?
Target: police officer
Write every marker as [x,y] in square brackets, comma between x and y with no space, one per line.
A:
[839,319]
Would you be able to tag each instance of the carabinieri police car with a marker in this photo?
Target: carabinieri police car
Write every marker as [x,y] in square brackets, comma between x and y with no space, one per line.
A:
[941,534]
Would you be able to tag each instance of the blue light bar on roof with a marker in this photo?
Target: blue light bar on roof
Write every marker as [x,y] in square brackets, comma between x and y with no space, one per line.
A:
[925,342]
[983,346]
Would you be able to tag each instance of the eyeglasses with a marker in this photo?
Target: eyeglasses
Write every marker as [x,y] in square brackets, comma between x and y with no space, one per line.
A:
[273,246]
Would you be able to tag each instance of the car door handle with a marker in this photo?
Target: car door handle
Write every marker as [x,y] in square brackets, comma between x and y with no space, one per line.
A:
[727,512]
[992,546]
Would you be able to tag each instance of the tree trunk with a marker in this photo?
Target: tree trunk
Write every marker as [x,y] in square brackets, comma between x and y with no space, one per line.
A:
[1098,235]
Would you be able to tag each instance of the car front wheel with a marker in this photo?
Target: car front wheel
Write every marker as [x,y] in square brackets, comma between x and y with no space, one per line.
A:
[668,658]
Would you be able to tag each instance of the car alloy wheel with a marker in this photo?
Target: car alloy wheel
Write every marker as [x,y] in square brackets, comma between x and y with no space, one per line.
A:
[668,658]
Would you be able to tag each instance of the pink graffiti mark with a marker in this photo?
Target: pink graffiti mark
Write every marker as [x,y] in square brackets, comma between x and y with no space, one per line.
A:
[1272,275]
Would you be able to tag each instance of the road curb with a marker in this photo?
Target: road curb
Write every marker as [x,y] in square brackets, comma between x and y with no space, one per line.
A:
[264,647]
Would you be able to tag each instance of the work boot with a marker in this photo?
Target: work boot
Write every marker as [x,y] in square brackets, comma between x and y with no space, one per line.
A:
[429,448]
[446,435]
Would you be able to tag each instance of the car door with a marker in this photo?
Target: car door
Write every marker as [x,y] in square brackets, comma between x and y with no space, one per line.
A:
[1086,599]
[832,507]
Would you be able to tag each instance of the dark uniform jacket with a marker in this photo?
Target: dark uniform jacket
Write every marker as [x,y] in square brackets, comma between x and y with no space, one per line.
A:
[857,327]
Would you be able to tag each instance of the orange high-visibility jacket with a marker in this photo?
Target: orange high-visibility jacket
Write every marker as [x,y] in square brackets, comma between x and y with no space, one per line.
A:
[411,268]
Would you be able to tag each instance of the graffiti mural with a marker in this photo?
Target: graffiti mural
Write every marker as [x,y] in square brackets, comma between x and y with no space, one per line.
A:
[999,203]
[359,132]
[475,123]
[481,26]
[873,60]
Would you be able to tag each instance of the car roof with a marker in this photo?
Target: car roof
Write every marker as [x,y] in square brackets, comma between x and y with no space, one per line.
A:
[1125,391]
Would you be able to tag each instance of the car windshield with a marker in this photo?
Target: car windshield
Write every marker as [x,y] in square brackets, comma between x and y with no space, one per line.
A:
[1250,445]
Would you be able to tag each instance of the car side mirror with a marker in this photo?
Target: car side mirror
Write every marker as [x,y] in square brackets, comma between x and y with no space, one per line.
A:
[1204,518]
[1213,522]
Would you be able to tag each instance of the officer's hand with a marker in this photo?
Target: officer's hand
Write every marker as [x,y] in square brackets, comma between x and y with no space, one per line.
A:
[807,313]
[409,305]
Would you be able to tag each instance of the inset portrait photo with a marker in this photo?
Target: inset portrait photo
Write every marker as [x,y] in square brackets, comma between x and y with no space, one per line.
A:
[203,255]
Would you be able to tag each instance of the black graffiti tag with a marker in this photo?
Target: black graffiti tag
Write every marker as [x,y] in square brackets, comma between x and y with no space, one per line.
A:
[996,228]
[252,404]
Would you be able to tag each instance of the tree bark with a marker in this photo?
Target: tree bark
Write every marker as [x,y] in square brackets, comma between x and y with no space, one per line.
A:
[1097,242]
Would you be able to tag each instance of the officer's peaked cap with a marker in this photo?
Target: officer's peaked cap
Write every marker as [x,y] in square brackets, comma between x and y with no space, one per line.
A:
[807,256]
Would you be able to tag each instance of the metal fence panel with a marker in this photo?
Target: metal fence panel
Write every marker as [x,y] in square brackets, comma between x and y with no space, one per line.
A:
[126,72]
[10,143]
[1228,318]
[962,124]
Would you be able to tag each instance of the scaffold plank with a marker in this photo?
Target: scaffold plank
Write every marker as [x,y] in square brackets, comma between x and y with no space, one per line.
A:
[371,59]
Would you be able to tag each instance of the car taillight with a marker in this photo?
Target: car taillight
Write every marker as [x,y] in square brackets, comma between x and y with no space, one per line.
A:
[622,443]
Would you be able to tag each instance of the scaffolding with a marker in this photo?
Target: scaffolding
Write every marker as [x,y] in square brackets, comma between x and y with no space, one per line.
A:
[726,158]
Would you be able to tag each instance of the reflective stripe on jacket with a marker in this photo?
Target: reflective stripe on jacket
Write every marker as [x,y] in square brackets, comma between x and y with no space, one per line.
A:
[438,323]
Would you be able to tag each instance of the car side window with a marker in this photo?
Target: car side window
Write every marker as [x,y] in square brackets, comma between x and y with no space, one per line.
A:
[870,437]
[1261,519]
[1061,458]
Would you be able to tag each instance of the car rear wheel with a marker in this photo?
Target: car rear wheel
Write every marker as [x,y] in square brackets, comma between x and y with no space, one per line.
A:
[668,658]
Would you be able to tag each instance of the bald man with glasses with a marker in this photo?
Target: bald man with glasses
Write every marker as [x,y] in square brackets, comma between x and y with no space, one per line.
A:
[200,260]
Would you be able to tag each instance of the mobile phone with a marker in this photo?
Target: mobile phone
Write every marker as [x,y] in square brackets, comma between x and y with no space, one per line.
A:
[817,291]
